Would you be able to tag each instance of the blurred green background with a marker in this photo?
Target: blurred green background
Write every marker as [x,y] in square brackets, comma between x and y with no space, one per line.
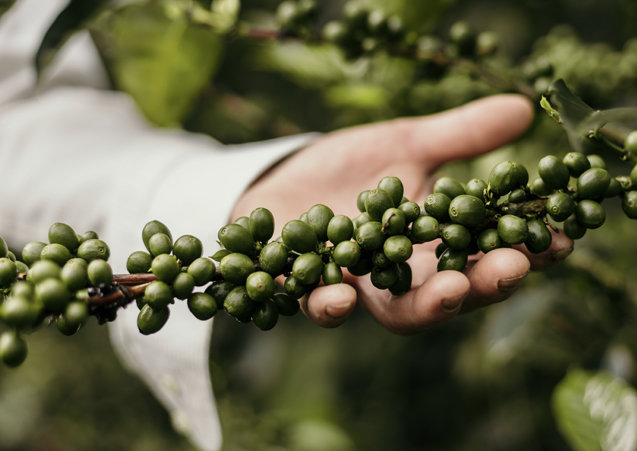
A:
[484,381]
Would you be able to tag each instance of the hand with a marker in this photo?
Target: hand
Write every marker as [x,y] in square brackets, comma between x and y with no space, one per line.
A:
[338,166]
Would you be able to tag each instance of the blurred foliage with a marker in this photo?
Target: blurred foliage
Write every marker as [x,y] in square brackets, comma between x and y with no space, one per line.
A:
[483,381]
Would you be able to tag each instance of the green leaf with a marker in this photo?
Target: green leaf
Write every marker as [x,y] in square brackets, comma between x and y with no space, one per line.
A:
[5,5]
[596,411]
[72,18]
[162,53]
[573,112]
[225,14]
[552,112]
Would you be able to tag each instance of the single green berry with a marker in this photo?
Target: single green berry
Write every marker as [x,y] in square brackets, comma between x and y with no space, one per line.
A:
[13,348]
[160,243]
[437,205]
[377,202]
[370,236]
[398,248]
[138,262]
[393,221]
[467,210]
[403,280]
[165,267]
[99,272]
[346,253]
[392,186]
[340,228]
[411,210]
[489,240]
[383,278]
[560,206]
[31,252]
[456,236]
[629,204]
[265,315]
[151,228]
[63,234]
[235,268]
[512,229]
[539,237]
[318,217]
[332,274]
[553,172]
[92,249]
[573,229]
[452,259]
[590,214]
[236,238]
[74,274]
[202,270]
[299,236]
[158,294]
[307,268]
[261,224]
[56,252]
[576,163]
[476,188]
[150,321]
[593,183]
[238,304]
[286,305]
[202,306]
[425,228]
[273,258]
[187,249]
[448,186]
[260,286]
[8,272]
[183,285]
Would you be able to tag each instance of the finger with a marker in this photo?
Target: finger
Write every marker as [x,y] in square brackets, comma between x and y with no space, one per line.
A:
[330,305]
[466,131]
[495,276]
[561,247]
[437,300]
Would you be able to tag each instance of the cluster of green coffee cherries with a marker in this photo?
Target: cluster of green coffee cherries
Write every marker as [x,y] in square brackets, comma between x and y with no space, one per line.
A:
[255,278]
[363,30]
[51,283]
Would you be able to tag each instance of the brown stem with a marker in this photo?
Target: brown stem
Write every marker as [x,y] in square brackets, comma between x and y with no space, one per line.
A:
[133,279]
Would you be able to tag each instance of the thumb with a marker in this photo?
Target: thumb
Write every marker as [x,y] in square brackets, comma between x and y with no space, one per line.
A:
[467,131]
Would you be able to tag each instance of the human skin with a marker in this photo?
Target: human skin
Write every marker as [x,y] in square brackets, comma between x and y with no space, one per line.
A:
[339,165]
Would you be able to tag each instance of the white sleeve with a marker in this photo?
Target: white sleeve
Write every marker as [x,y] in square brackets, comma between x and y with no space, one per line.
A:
[87,158]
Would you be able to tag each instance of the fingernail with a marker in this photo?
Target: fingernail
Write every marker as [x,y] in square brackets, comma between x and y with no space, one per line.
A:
[505,285]
[561,254]
[336,311]
[452,304]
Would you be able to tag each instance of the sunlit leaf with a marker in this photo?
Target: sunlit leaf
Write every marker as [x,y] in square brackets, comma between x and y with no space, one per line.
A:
[160,55]
[596,411]
[362,96]
[573,111]
[224,14]
[71,19]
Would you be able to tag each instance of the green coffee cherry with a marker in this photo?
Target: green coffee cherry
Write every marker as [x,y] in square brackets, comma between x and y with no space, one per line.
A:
[512,229]
[158,294]
[265,316]
[397,248]
[187,248]
[55,252]
[629,204]
[380,260]
[183,284]
[332,274]
[307,268]
[165,267]
[362,266]
[236,238]
[8,272]
[238,304]
[403,280]
[4,249]
[53,294]
[392,186]
[593,183]
[346,253]
[299,236]
[590,214]
[452,259]
[467,210]
[539,237]
[437,205]
[99,272]
[370,236]
[340,228]
[448,186]
[89,235]
[576,163]
[506,176]
[63,234]
[219,289]
[560,206]
[294,287]
[18,312]
[411,210]
[235,268]
[273,258]
[150,321]
[160,243]
[553,172]
[476,188]
[286,305]
[383,278]
[202,306]
[151,228]
[425,228]
[393,221]
[489,240]
[573,229]
[361,219]
[31,252]
[244,222]
[261,224]
[43,269]
[360,201]
[630,143]
[13,349]
[92,249]
[138,262]
[456,236]
[596,161]
[202,270]
[377,202]
[260,286]
[614,188]
[539,188]
[318,217]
